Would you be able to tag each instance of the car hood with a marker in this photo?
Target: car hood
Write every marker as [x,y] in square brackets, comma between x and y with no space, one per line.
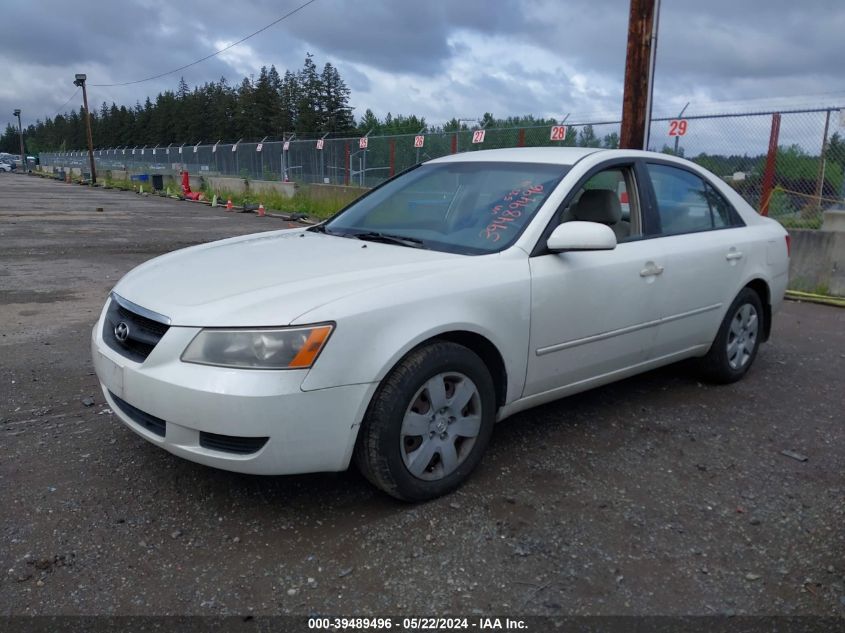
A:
[270,279]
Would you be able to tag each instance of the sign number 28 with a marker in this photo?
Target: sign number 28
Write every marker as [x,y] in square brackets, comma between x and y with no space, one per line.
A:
[677,127]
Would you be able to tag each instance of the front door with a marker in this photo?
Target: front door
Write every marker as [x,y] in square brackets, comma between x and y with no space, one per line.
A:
[594,313]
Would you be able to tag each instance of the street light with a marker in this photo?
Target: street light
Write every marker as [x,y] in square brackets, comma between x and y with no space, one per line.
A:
[17,113]
[79,82]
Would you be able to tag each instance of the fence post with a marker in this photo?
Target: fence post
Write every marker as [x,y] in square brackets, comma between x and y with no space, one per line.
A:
[392,157]
[455,143]
[520,142]
[347,163]
[822,157]
[771,158]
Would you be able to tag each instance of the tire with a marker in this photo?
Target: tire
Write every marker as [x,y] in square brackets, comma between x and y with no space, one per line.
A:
[735,346]
[428,424]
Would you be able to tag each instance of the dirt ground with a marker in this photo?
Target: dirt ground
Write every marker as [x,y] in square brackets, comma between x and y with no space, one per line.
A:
[657,495]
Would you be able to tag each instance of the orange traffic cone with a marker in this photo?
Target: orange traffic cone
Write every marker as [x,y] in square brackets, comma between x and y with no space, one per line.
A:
[260,209]
[229,204]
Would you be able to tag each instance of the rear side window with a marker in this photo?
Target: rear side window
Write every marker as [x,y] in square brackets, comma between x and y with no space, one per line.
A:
[686,203]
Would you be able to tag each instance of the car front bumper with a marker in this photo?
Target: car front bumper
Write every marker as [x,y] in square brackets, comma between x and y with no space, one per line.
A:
[179,406]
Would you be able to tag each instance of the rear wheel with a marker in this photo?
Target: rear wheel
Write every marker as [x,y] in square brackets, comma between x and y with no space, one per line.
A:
[737,342]
[428,424]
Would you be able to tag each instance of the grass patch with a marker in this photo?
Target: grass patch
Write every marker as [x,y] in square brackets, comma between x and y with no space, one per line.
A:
[320,206]
[795,222]
[316,203]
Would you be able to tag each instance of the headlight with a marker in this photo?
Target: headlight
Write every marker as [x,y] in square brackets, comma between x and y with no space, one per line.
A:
[279,348]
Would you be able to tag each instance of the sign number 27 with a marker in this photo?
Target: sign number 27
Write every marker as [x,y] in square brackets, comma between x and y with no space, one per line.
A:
[677,127]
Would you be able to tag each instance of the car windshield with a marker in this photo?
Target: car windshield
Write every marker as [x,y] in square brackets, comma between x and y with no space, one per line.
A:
[471,208]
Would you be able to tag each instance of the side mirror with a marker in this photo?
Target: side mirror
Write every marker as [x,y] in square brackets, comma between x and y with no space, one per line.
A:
[581,236]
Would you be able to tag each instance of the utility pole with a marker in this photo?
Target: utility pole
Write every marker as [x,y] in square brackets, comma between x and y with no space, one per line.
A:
[639,70]
[80,82]
[17,113]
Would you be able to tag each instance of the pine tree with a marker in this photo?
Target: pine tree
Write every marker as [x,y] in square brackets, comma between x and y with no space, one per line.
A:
[289,103]
[337,115]
[310,106]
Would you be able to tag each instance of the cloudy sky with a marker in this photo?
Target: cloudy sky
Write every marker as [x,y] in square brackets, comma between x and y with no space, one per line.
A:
[435,58]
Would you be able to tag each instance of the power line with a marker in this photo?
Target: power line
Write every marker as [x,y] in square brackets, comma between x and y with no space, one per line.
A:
[62,107]
[194,63]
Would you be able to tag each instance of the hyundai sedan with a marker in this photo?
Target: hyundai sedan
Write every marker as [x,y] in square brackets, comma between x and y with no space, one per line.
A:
[462,291]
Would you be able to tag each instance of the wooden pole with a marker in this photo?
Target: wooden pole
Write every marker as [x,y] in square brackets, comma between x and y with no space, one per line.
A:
[635,99]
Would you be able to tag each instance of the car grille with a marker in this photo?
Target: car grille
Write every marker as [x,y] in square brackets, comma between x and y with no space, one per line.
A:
[143,333]
[232,443]
[141,418]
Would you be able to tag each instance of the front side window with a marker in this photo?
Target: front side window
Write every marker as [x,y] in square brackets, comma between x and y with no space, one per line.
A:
[686,203]
[605,198]
[470,208]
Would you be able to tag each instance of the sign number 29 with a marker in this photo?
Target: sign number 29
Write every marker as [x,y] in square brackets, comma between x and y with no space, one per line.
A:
[677,127]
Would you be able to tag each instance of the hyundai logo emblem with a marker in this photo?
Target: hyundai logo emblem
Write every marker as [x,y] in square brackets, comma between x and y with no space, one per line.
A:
[121,332]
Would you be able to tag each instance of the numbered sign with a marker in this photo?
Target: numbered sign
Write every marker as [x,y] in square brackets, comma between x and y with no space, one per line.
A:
[133,151]
[677,127]
[419,141]
[558,133]
[319,143]
[478,136]
[259,147]
[362,142]
[235,147]
[124,152]
[213,149]
[286,146]
[142,151]
[167,151]
[154,151]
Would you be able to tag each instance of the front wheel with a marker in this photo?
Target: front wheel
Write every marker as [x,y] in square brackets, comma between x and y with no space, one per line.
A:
[428,424]
[737,341]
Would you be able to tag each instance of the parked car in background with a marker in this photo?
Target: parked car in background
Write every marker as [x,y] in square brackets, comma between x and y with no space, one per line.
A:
[5,167]
[464,290]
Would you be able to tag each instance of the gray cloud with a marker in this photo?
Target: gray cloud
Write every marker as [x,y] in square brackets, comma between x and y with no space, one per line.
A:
[715,50]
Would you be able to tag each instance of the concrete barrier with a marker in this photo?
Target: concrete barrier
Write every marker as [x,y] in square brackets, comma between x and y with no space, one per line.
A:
[285,188]
[834,220]
[817,263]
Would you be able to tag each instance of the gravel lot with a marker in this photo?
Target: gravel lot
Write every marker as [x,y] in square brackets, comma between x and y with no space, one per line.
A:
[657,495]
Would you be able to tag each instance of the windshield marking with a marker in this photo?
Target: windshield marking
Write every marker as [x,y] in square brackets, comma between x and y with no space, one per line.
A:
[513,211]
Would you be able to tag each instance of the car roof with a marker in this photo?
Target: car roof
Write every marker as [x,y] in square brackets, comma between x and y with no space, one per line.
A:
[553,155]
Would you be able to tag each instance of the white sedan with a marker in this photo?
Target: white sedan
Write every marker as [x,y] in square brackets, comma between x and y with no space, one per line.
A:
[464,290]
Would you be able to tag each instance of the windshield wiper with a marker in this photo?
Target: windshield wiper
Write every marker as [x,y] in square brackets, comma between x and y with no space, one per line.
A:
[375,236]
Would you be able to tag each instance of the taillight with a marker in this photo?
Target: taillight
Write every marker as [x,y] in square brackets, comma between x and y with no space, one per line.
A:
[788,244]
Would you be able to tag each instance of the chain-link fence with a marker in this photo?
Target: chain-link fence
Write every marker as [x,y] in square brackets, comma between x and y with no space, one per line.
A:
[788,164]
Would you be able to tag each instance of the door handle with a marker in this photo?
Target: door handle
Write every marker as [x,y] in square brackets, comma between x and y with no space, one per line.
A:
[651,269]
[732,255]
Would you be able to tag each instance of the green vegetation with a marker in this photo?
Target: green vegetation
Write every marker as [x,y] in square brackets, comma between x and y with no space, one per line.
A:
[315,201]
[797,222]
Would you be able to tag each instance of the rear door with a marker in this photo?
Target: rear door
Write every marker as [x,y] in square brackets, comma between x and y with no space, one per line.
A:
[705,247]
